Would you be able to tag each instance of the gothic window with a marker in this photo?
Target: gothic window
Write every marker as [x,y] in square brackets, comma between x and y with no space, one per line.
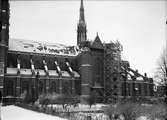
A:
[12,61]
[115,94]
[115,87]
[115,79]
[25,62]
[129,91]
[38,62]
[145,89]
[25,85]
[9,89]
[61,62]
[53,87]
[78,87]
[139,87]
[123,89]
[151,89]
[51,63]
[40,87]
[4,26]
[67,87]
[98,69]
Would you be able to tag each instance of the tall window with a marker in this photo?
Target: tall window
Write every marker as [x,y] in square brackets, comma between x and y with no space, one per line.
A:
[53,87]
[9,89]
[145,89]
[12,61]
[25,62]
[67,87]
[139,86]
[40,87]
[123,89]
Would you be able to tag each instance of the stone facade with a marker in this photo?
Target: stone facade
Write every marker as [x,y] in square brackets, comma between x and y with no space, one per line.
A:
[93,66]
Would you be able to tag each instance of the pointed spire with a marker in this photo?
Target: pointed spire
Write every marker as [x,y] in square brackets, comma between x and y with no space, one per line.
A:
[81,4]
[97,37]
[82,17]
[81,29]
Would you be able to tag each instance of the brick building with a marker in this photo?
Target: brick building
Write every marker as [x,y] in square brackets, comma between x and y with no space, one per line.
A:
[91,66]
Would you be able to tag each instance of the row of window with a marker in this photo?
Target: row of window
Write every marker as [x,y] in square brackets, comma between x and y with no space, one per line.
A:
[137,89]
[25,62]
[10,86]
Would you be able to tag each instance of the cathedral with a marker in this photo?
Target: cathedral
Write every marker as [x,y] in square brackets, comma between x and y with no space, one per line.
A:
[90,67]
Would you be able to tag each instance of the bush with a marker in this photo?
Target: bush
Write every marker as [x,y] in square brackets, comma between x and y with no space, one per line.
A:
[128,110]
[26,97]
[158,111]
[54,98]
[131,111]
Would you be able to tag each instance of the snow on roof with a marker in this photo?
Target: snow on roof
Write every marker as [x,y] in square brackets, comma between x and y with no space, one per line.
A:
[12,112]
[139,78]
[44,48]
[65,74]
[25,72]
[53,73]
[12,71]
[41,72]
[76,74]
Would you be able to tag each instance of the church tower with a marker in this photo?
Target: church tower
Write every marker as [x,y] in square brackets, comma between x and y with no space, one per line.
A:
[81,28]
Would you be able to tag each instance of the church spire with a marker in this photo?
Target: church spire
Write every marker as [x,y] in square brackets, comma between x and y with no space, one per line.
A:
[81,29]
[82,17]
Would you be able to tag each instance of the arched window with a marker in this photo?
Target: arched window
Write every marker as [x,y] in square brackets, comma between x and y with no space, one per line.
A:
[98,69]
[67,87]
[53,88]
[40,87]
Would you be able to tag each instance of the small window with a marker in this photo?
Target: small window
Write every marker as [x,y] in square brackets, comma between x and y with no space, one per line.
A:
[115,87]
[3,26]
[114,79]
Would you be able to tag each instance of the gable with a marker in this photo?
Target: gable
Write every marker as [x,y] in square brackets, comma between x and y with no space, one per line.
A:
[97,43]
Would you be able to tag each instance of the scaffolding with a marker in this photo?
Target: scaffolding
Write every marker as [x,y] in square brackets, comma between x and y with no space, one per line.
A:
[112,61]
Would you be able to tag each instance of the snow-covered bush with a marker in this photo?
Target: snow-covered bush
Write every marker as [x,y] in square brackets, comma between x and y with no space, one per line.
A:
[158,111]
[128,110]
[54,98]
[25,97]
[132,111]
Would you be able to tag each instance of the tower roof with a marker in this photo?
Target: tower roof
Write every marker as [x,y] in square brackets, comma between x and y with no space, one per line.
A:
[82,16]
[81,28]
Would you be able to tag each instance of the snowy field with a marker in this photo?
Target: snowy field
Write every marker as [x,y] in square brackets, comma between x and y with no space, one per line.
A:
[16,113]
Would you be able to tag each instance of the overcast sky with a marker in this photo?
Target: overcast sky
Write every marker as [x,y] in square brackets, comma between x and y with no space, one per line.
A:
[138,25]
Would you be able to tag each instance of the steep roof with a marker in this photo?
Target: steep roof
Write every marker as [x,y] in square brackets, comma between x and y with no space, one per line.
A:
[97,43]
[43,48]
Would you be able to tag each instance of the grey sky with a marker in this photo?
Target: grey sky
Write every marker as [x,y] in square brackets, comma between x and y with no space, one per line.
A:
[138,25]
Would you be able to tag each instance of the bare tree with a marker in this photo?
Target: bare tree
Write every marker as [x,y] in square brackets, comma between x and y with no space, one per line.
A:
[161,73]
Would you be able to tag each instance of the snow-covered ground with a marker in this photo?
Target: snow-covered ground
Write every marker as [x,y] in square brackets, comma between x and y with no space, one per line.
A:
[16,113]
[80,107]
